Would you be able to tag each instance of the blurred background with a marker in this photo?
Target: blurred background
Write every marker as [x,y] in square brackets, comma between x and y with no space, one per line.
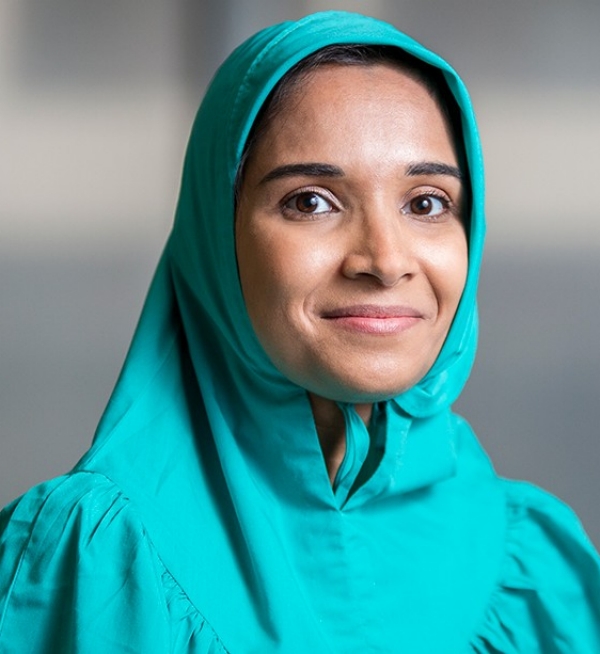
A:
[96,102]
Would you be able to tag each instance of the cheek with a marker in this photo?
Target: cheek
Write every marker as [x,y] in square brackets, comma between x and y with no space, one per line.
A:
[447,262]
[283,269]
[454,266]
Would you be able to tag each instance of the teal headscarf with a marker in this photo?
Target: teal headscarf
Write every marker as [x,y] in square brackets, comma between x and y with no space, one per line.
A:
[218,450]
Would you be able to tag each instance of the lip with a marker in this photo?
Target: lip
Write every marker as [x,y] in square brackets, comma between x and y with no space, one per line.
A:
[374,319]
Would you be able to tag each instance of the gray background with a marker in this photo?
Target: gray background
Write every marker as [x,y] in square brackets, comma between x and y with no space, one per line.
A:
[96,101]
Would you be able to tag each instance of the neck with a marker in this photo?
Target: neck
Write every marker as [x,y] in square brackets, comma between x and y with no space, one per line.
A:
[331,430]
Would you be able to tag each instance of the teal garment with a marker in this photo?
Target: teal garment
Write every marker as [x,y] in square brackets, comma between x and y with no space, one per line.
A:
[202,519]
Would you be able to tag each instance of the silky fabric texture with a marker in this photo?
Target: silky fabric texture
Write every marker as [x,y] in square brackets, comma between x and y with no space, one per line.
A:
[203,520]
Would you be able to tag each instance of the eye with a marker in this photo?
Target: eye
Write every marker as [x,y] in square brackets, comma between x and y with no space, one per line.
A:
[308,202]
[428,205]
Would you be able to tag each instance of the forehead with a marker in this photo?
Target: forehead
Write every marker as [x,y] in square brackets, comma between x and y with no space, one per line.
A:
[371,107]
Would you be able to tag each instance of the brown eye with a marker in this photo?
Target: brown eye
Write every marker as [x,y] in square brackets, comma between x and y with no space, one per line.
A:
[427,205]
[309,202]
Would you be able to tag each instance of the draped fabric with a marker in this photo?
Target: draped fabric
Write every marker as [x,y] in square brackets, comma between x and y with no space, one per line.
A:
[202,519]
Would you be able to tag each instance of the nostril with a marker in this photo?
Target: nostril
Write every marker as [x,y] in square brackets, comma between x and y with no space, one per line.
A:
[388,268]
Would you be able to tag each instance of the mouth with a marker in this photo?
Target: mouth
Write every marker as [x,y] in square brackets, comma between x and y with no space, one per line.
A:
[374,319]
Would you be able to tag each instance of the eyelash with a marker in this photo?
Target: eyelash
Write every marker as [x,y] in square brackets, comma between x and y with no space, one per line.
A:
[447,204]
[294,213]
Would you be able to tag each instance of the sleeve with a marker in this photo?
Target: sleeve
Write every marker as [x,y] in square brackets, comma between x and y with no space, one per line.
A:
[78,574]
[548,596]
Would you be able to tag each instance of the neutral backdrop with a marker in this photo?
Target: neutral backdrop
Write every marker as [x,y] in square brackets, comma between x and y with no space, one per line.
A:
[96,102]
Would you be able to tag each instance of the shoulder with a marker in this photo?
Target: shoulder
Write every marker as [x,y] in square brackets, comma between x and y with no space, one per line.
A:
[75,496]
[79,573]
[67,516]
[547,598]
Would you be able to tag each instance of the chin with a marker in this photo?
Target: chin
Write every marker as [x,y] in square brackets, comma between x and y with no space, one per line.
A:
[376,385]
[357,382]
[364,393]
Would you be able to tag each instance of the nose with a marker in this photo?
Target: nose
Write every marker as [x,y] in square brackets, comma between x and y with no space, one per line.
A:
[379,248]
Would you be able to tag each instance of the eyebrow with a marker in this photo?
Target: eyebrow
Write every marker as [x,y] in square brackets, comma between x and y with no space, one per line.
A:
[328,170]
[433,168]
[303,169]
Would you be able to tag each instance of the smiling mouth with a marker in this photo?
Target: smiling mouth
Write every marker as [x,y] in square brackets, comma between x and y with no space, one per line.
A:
[374,319]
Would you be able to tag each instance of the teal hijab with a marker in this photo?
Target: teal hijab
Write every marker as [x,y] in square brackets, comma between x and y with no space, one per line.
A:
[218,451]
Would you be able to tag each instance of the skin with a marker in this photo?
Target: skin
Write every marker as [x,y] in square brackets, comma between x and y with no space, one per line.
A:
[352,269]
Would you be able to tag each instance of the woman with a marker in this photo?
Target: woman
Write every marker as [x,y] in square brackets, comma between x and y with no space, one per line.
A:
[279,468]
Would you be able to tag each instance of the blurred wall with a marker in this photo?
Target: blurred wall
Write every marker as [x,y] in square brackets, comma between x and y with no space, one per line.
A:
[96,102]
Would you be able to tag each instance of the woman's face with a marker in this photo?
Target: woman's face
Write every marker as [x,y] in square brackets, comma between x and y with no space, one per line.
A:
[351,251]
